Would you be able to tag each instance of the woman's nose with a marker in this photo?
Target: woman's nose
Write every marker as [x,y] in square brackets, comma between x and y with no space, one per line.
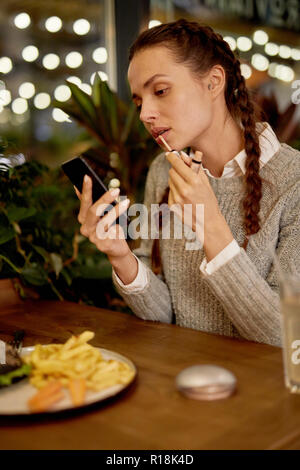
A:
[148,113]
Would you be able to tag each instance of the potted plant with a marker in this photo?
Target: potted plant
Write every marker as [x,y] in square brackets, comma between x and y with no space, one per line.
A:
[41,248]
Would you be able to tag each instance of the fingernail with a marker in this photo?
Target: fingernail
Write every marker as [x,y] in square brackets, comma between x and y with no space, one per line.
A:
[115,192]
[86,178]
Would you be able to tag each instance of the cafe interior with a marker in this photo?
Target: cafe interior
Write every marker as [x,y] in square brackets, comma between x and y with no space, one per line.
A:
[138,384]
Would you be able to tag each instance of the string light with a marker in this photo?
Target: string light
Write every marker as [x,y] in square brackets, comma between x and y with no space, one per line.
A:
[271,49]
[260,37]
[30,53]
[285,52]
[5,65]
[5,97]
[62,93]
[27,90]
[74,60]
[60,116]
[81,26]
[246,71]
[244,43]
[284,73]
[51,61]
[86,88]
[100,55]
[22,20]
[74,80]
[295,54]
[260,62]
[102,75]
[42,100]
[153,23]
[53,24]
[231,41]
[19,106]
[272,69]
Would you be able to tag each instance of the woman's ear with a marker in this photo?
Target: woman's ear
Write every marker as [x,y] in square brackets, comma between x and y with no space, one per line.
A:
[216,80]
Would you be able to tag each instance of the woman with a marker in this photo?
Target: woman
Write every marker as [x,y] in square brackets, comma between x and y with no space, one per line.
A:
[186,81]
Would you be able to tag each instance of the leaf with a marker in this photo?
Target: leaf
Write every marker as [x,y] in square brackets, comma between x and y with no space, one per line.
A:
[128,123]
[34,274]
[6,234]
[96,91]
[56,262]
[109,107]
[41,251]
[102,270]
[84,102]
[67,276]
[15,214]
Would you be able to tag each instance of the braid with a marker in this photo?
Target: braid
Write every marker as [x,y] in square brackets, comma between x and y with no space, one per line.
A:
[200,48]
[253,181]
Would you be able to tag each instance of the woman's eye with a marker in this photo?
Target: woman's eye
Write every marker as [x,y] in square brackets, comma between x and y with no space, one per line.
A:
[161,92]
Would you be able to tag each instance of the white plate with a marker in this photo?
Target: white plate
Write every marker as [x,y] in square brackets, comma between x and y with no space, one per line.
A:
[13,399]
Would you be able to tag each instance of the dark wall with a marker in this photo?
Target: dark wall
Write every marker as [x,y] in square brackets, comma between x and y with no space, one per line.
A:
[131,16]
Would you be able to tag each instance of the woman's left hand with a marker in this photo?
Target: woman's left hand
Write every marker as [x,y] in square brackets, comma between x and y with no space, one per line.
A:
[189,187]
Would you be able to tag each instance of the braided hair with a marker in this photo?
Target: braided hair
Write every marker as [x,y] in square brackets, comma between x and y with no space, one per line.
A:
[199,47]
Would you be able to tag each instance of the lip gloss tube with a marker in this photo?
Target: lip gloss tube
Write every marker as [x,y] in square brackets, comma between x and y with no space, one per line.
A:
[168,146]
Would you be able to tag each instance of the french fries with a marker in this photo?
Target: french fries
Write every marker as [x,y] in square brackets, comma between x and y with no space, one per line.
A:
[75,365]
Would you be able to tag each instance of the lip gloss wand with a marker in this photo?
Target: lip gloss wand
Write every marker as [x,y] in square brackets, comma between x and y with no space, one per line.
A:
[194,164]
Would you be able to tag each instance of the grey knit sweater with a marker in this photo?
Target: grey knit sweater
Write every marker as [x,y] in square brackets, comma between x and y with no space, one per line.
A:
[240,299]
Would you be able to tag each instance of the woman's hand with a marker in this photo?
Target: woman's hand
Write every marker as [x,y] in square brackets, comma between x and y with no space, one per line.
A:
[189,189]
[108,238]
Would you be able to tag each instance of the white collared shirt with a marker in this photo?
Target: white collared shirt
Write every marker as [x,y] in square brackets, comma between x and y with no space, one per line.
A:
[269,145]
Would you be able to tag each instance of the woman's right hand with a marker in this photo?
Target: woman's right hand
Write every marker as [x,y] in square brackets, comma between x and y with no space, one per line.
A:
[112,239]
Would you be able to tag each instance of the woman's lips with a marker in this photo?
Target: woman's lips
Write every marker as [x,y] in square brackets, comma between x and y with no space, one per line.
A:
[164,135]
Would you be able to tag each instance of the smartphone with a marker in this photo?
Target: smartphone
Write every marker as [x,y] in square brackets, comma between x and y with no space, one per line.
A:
[78,167]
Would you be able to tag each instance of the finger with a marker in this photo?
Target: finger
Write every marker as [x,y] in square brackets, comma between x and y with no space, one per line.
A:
[115,232]
[99,207]
[106,222]
[86,198]
[181,168]
[198,158]
[77,193]
[185,158]
[178,182]
[175,195]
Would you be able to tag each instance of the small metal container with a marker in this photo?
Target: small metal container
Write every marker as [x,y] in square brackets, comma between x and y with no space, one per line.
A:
[206,382]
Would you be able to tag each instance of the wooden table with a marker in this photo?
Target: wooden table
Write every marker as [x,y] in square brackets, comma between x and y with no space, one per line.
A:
[151,414]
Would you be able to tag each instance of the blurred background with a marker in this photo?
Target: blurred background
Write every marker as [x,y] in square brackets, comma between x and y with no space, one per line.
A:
[45,43]
[63,90]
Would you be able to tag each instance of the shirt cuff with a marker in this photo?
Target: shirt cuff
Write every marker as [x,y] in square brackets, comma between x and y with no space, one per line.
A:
[231,250]
[139,283]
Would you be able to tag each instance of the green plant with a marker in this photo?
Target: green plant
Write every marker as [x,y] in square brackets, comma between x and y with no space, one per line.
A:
[40,243]
[125,147]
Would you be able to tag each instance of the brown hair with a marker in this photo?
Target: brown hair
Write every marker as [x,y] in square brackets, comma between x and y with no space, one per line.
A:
[200,48]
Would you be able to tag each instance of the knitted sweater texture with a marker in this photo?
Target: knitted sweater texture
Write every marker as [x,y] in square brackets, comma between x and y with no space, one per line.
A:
[241,299]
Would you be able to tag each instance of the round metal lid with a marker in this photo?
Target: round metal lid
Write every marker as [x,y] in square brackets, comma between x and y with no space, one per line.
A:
[206,382]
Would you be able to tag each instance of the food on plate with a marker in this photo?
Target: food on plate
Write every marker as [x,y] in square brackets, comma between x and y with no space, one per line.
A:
[14,368]
[46,397]
[75,365]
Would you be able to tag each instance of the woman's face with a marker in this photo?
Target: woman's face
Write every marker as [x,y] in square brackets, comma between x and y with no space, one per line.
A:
[169,97]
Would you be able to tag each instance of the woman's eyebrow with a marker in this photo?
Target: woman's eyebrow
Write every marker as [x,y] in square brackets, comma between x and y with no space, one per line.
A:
[148,82]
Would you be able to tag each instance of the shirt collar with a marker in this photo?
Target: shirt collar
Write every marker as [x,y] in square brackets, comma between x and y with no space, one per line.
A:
[269,145]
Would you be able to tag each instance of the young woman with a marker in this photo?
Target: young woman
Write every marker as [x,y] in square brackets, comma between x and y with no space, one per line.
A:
[187,83]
